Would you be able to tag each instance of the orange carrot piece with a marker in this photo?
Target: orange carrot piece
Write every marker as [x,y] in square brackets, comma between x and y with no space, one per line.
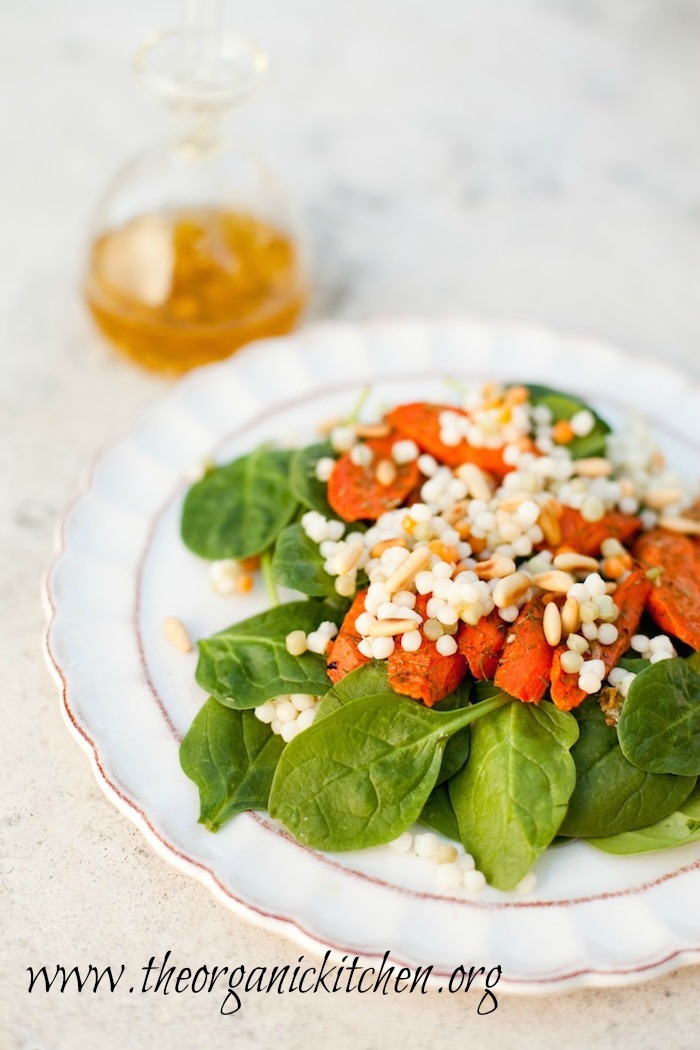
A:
[629,597]
[344,656]
[482,644]
[425,675]
[420,421]
[586,536]
[525,664]
[354,492]
[674,598]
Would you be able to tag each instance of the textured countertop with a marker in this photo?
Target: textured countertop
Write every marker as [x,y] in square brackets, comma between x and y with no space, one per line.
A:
[516,158]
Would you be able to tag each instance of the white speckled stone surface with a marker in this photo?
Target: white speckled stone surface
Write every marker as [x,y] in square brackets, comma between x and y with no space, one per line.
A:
[519,158]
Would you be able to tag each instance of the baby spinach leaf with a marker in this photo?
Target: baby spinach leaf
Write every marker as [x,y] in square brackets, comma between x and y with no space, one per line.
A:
[438,813]
[368,680]
[237,510]
[231,756]
[612,795]
[677,829]
[564,406]
[361,775]
[247,664]
[659,727]
[297,563]
[303,481]
[457,747]
[372,678]
[637,664]
[511,796]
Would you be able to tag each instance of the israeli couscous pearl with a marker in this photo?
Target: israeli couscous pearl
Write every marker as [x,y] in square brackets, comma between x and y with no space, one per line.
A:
[324,468]
[660,655]
[450,876]
[425,844]
[571,662]
[302,701]
[607,633]
[265,712]
[589,683]
[404,451]
[382,648]
[473,881]
[446,645]
[289,730]
[403,843]
[295,643]
[305,718]
[527,883]
[411,641]
[640,643]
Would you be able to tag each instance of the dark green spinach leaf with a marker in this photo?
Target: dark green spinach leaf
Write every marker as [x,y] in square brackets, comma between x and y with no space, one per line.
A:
[612,795]
[247,664]
[677,829]
[304,483]
[238,510]
[438,813]
[372,678]
[297,563]
[512,795]
[659,727]
[361,775]
[231,756]
[564,406]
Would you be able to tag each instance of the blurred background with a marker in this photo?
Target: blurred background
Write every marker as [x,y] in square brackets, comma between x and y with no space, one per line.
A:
[534,159]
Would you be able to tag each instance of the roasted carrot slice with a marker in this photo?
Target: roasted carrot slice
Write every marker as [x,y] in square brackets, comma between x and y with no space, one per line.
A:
[344,656]
[526,660]
[354,492]
[674,598]
[425,675]
[586,536]
[421,422]
[481,645]
[629,597]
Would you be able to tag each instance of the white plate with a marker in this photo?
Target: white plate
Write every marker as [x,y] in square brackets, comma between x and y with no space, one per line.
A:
[128,696]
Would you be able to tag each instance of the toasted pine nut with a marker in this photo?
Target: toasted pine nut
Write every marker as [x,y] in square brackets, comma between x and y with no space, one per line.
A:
[516,395]
[177,634]
[549,523]
[495,568]
[657,499]
[626,486]
[570,618]
[456,512]
[406,571]
[610,588]
[658,460]
[571,561]
[553,580]
[552,624]
[477,482]
[385,545]
[372,430]
[593,467]
[390,628]
[463,528]
[386,472]
[329,424]
[510,589]
[687,526]
[349,558]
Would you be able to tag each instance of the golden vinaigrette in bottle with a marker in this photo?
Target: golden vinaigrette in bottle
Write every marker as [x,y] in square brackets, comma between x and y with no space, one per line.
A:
[177,289]
[196,248]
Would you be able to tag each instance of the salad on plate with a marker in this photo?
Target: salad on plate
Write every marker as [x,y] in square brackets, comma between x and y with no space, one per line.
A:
[491,644]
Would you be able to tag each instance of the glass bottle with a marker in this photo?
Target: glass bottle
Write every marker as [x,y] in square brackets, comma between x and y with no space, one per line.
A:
[195,247]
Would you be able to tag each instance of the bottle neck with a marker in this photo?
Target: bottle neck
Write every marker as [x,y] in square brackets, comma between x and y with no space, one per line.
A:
[196,134]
